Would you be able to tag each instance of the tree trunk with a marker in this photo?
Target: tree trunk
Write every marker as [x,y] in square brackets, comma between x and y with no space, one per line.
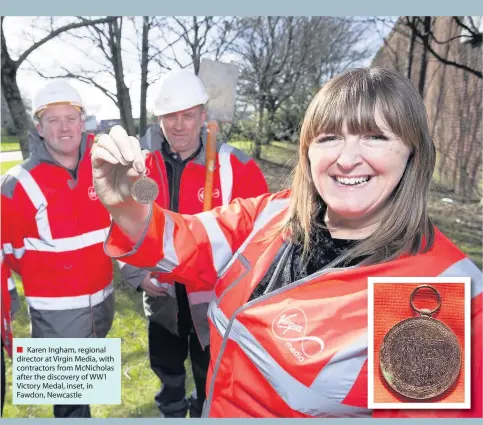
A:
[196,51]
[17,109]
[12,95]
[257,150]
[469,147]
[125,107]
[424,55]
[412,41]
[144,77]
[269,133]
[474,181]
[196,63]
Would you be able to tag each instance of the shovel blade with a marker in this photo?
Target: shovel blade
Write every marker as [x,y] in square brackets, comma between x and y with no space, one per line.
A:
[220,80]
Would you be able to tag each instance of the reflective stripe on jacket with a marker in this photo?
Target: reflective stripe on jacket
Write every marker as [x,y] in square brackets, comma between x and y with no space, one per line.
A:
[299,351]
[53,226]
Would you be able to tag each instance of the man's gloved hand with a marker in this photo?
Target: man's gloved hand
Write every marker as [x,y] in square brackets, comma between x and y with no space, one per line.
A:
[117,162]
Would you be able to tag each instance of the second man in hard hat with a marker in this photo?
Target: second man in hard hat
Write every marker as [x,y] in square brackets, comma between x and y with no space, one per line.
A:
[53,227]
[178,323]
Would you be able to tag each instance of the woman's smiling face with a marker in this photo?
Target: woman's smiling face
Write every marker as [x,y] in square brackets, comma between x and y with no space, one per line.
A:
[355,174]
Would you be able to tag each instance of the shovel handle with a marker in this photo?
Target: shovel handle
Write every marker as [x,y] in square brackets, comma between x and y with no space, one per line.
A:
[212,127]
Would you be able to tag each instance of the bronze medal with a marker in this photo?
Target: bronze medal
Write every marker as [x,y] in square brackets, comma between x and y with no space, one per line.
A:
[420,357]
[145,190]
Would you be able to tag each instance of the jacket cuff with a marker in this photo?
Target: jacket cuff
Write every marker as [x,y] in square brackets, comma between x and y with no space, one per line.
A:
[133,276]
[147,251]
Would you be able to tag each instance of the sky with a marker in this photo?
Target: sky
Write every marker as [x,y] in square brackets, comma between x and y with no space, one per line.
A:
[68,52]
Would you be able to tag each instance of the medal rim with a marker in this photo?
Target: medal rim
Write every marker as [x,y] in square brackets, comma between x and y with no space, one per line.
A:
[133,190]
[383,367]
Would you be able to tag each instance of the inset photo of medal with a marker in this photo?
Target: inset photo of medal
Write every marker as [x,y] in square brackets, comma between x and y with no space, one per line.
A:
[419,334]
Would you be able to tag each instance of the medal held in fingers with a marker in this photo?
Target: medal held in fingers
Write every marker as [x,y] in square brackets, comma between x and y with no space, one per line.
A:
[145,190]
[420,357]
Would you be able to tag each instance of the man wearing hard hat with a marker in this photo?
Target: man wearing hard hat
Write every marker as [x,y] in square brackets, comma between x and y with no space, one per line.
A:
[178,323]
[53,227]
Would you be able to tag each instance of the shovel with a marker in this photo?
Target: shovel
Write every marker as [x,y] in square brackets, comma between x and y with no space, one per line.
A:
[220,81]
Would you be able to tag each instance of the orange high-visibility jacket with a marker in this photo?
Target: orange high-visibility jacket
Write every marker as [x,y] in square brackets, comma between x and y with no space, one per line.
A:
[53,227]
[301,350]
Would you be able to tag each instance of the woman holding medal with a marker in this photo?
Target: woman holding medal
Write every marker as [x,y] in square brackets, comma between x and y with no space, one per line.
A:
[289,271]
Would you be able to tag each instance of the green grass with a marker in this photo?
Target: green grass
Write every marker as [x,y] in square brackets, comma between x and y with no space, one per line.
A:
[5,166]
[467,239]
[10,143]
[139,384]
[278,153]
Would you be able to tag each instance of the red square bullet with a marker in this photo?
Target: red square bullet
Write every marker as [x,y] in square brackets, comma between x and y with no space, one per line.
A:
[19,349]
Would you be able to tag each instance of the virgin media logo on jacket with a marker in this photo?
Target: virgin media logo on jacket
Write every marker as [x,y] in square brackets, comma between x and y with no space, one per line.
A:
[201,194]
[291,326]
[92,193]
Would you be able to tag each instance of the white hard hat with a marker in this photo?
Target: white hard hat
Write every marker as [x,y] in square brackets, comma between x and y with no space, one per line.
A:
[58,91]
[179,90]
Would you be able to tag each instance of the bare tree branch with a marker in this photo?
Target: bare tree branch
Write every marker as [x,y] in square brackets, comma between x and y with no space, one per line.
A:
[440,58]
[473,31]
[83,78]
[54,33]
